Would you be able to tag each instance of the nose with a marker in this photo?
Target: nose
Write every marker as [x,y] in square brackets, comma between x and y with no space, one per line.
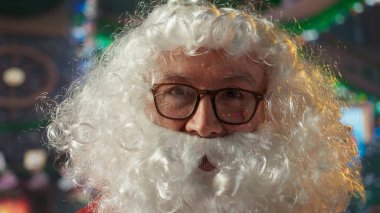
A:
[204,122]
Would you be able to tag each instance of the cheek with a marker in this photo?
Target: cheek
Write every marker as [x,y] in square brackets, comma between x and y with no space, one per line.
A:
[168,123]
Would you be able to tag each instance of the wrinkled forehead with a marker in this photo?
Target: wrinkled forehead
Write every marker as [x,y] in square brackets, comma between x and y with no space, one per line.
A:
[180,54]
[211,65]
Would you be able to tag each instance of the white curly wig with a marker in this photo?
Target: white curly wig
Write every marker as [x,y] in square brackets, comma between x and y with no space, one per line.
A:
[301,159]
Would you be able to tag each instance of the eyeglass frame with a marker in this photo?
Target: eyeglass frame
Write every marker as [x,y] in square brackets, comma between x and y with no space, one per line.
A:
[212,93]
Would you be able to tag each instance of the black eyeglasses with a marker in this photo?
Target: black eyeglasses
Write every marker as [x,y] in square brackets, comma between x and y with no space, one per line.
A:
[230,105]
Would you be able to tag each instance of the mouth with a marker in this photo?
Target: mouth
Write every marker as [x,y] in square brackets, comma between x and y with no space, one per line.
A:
[206,165]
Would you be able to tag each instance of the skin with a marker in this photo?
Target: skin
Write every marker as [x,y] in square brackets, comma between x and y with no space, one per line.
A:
[211,70]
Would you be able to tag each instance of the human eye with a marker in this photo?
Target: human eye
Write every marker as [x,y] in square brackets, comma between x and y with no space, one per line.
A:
[178,95]
[232,94]
[178,91]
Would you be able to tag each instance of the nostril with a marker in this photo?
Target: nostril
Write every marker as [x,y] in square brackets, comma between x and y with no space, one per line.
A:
[211,135]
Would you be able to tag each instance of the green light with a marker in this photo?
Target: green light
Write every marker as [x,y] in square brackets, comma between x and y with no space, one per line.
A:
[362,97]
[358,7]
[102,41]
[322,21]
[377,107]
[339,19]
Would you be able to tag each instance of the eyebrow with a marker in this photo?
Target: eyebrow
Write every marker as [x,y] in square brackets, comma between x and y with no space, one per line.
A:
[230,76]
[239,76]
[175,77]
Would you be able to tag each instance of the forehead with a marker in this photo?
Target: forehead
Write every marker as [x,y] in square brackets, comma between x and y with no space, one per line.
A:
[210,70]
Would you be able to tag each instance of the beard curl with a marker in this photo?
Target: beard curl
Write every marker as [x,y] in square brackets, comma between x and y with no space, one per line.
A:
[165,176]
[141,167]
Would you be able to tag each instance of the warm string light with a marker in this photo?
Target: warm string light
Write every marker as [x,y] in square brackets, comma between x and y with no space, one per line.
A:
[372,2]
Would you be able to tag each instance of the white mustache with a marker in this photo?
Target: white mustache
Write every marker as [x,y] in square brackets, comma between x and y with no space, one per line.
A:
[190,149]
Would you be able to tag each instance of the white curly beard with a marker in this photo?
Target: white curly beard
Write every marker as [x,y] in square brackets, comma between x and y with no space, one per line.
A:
[152,169]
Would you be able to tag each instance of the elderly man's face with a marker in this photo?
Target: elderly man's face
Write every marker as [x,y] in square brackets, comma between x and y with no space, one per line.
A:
[210,71]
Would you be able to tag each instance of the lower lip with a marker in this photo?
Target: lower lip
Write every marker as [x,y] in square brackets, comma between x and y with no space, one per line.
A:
[205,165]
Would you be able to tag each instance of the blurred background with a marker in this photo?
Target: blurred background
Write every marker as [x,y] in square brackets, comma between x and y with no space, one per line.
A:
[44,44]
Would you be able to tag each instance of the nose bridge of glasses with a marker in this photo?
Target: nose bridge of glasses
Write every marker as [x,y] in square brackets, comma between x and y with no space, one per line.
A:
[206,107]
[211,99]
[203,92]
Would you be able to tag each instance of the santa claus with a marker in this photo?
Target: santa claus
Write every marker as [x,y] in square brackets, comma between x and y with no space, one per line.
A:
[206,109]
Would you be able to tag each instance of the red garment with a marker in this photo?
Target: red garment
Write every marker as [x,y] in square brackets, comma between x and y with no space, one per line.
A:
[88,209]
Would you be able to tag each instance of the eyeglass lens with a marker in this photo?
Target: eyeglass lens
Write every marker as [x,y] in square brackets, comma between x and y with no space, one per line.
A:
[235,106]
[175,101]
[231,105]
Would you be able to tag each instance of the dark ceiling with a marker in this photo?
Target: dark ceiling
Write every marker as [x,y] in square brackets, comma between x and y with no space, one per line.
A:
[356,43]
